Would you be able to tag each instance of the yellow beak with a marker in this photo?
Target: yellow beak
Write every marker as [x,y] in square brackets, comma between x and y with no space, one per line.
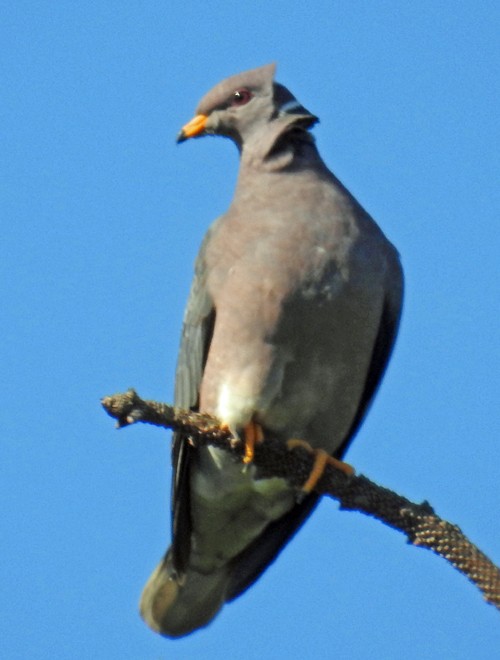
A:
[193,128]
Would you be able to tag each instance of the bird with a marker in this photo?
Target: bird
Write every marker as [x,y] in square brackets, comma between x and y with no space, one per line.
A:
[290,322]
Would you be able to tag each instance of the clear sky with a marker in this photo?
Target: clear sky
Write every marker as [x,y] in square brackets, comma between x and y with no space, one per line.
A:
[102,215]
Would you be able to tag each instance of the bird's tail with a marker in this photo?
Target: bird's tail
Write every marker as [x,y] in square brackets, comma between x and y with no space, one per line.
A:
[175,606]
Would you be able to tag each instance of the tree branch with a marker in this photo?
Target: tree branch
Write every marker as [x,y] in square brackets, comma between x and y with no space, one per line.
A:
[356,493]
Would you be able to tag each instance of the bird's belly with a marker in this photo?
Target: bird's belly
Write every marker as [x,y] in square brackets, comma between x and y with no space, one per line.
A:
[230,508]
[306,377]
[321,358]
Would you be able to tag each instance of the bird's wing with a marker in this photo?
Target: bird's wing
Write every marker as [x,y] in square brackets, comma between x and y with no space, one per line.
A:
[199,319]
[382,348]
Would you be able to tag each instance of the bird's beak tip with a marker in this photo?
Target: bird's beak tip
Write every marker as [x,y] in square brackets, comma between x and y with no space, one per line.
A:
[181,137]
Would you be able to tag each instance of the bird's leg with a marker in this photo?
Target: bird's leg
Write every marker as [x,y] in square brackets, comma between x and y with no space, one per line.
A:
[253,434]
[321,459]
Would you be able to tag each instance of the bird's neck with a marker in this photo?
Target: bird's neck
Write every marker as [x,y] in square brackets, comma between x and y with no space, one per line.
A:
[293,149]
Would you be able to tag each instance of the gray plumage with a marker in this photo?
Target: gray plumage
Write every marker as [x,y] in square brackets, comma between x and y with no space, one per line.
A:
[291,319]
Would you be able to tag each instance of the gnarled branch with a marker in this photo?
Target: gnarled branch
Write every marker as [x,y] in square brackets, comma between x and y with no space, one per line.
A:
[357,493]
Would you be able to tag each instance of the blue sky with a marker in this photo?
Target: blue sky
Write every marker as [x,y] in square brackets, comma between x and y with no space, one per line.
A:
[102,215]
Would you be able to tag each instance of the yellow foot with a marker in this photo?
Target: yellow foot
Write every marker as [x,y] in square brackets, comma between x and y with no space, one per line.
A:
[321,459]
[253,434]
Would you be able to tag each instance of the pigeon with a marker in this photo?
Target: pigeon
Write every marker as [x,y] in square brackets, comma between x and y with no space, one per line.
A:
[291,319]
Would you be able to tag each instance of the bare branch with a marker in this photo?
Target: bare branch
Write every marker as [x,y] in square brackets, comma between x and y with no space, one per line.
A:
[421,525]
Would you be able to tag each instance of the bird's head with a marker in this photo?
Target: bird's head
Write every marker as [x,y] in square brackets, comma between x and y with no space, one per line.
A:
[244,106]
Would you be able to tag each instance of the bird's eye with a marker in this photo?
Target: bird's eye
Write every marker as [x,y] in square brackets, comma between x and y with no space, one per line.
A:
[240,97]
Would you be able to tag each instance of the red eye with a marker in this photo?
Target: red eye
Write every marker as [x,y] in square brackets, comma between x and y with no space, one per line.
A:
[240,97]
